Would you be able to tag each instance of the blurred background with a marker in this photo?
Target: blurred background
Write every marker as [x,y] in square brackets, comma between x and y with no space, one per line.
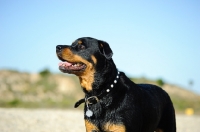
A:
[153,42]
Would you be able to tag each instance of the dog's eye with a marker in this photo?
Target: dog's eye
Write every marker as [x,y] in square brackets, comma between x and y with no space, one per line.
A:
[81,47]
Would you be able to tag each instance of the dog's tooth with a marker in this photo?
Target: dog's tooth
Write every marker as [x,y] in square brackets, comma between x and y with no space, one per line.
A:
[76,64]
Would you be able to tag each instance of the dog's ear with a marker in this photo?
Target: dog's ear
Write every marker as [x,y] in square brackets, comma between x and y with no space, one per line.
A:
[105,49]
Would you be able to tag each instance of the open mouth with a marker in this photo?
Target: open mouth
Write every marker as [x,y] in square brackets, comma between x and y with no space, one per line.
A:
[69,67]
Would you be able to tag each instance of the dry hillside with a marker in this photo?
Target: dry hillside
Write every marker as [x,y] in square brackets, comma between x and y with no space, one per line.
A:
[18,89]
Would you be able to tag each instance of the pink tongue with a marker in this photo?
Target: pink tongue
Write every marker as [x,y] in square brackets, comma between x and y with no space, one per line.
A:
[65,64]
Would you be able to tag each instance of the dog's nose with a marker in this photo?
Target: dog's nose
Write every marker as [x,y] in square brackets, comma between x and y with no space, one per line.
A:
[58,48]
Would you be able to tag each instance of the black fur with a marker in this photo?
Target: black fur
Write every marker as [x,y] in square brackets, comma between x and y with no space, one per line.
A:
[138,107]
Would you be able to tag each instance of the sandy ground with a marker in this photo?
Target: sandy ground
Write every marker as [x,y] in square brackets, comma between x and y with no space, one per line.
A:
[50,120]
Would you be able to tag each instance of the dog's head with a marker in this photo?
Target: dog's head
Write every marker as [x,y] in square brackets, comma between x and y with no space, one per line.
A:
[84,57]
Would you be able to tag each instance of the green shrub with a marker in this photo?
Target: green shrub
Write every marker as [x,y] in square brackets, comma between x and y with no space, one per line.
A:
[45,72]
[14,102]
[160,82]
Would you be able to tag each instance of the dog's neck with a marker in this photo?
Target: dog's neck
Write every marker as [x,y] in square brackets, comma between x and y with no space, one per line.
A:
[95,79]
[103,79]
[109,82]
[93,97]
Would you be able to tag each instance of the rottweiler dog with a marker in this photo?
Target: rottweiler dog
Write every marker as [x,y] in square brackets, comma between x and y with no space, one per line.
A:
[113,103]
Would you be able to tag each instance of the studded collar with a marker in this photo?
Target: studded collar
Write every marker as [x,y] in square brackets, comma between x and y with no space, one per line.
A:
[94,99]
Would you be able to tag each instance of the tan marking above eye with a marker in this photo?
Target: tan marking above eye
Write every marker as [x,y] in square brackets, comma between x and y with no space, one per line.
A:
[80,42]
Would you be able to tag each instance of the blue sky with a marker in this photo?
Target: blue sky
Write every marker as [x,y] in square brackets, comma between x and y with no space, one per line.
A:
[153,39]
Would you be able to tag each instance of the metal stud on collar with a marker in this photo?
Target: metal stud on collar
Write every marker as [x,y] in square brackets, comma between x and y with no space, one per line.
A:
[115,81]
